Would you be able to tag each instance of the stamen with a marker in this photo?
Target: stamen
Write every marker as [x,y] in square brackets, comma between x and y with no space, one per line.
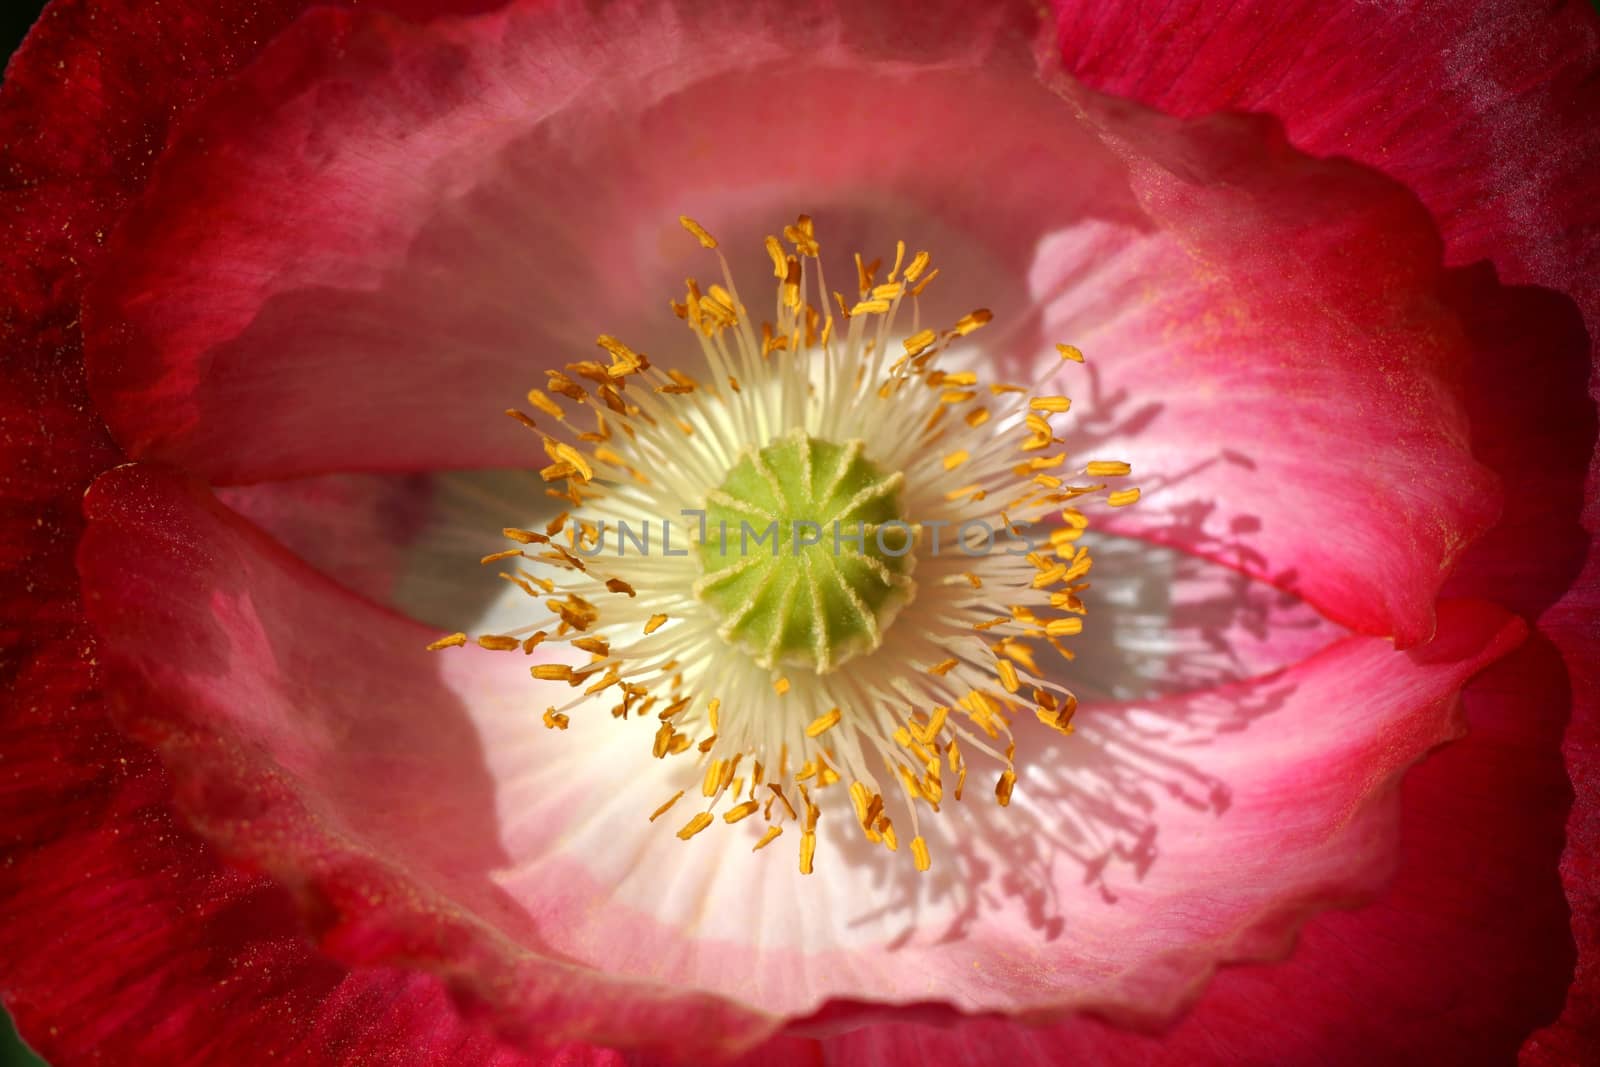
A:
[855,460]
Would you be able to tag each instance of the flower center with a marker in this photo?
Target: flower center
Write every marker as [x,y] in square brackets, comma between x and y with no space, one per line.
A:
[807,554]
[775,508]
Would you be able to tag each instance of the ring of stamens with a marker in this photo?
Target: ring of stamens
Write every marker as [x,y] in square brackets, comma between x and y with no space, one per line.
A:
[779,681]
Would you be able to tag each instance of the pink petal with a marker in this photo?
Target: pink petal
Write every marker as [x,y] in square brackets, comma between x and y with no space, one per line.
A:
[312,737]
[1461,956]
[398,795]
[317,268]
[1279,368]
[110,67]
[1486,110]
[1469,948]
[252,329]
[124,939]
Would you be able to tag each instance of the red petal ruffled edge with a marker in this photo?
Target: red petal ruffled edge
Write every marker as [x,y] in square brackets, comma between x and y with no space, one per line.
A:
[124,938]
[1329,452]
[128,941]
[214,619]
[1470,949]
[1537,428]
[220,614]
[1484,108]
[1574,625]
[267,309]
[1453,964]
[273,306]
[53,536]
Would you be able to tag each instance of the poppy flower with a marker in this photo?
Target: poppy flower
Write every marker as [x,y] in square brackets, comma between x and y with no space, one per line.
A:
[342,727]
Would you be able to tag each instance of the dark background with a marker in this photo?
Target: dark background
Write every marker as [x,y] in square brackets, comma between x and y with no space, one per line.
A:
[15,19]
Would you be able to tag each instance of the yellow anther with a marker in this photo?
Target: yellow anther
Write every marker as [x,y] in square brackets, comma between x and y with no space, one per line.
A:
[699,231]
[539,399]
[972,321]
[936,721]
[695,825]
[823,723]
[718,773]
[741,811]
[803,236]
[865,273]
[663,809]
[920,342]
[1050,577]
[568,454]
[1003,788]
[452,641]
[1122,497]
[624,359]
[1008,675]
[499,643]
